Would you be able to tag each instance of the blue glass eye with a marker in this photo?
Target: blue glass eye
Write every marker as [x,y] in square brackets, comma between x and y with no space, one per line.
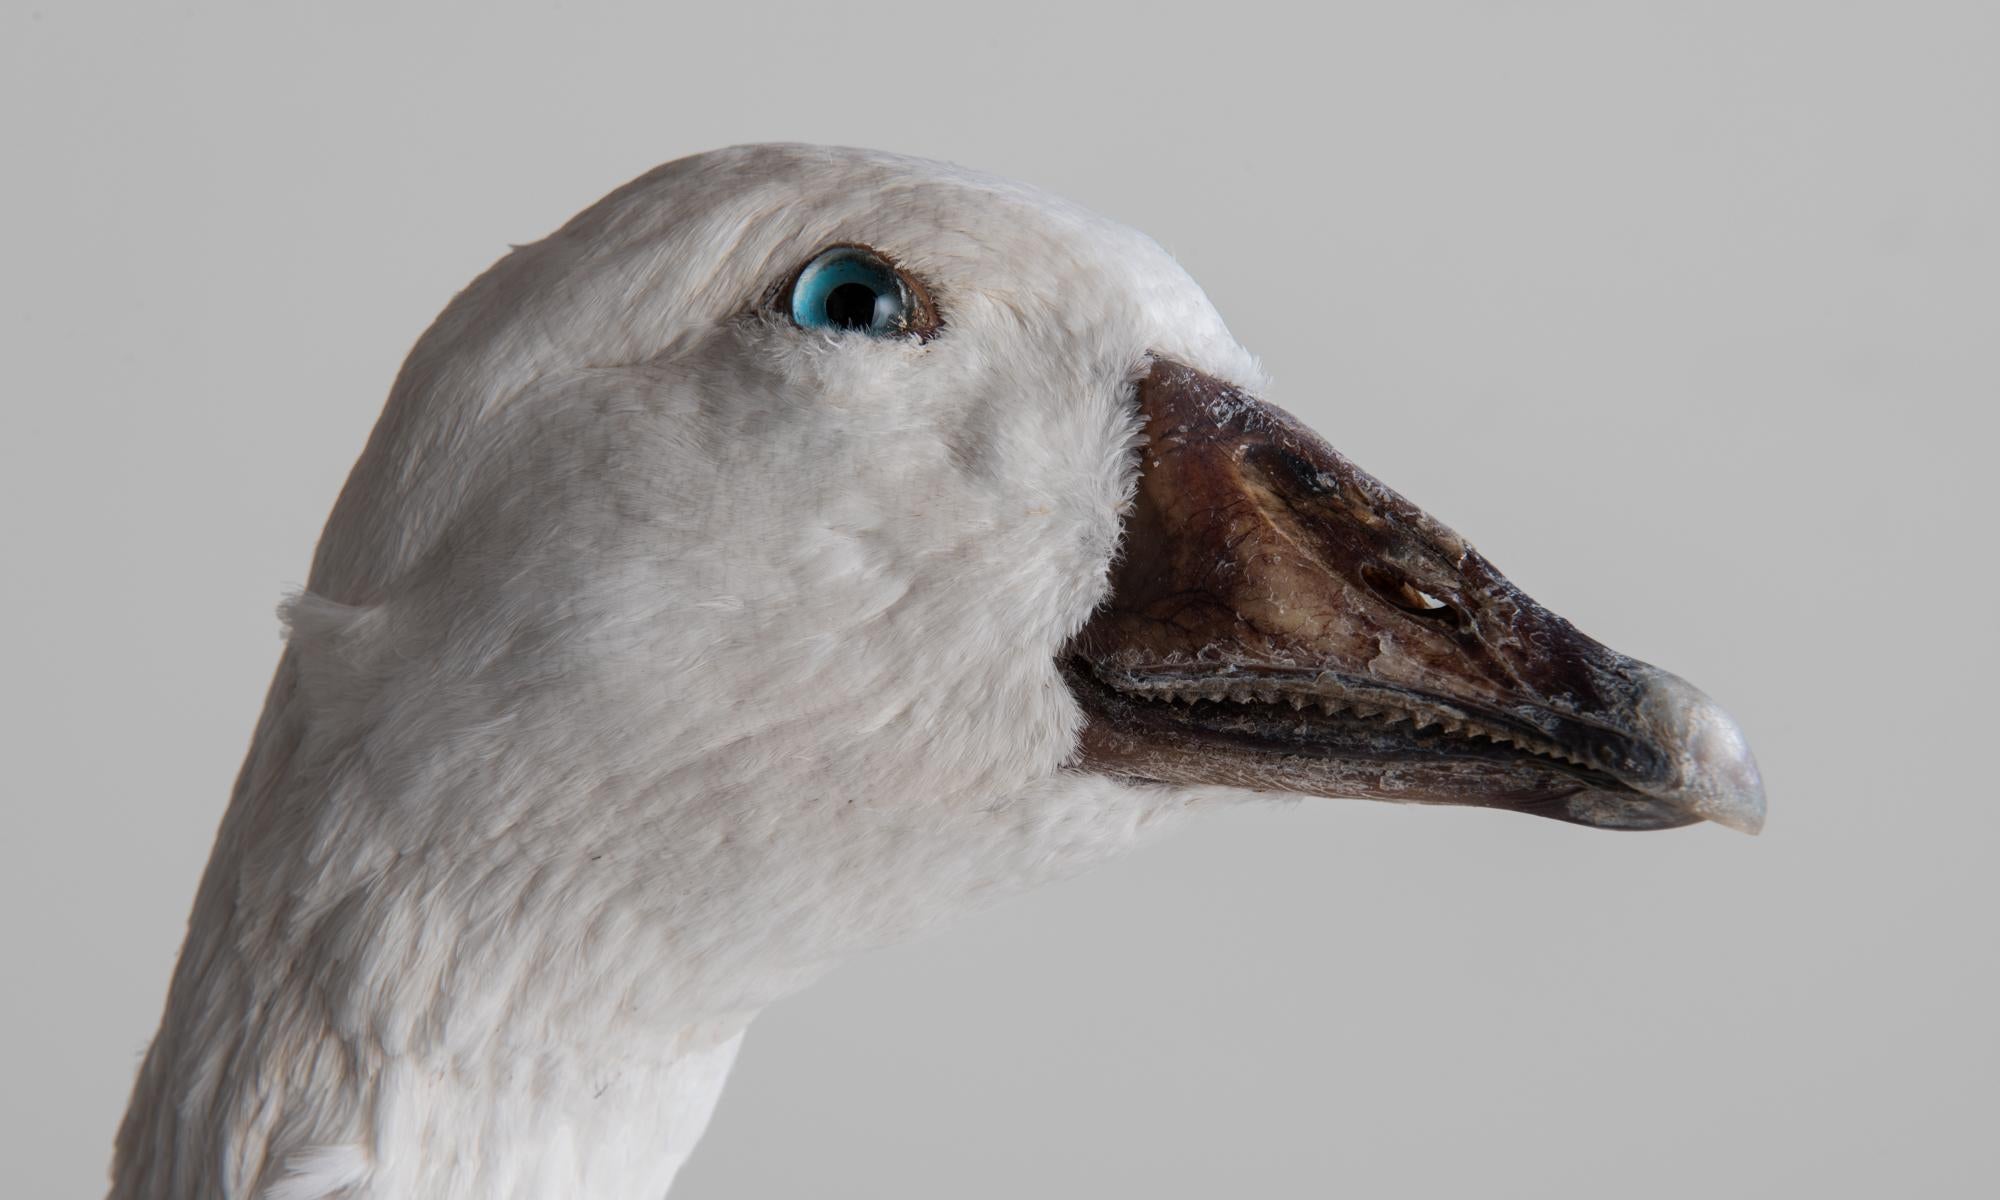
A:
[849,287]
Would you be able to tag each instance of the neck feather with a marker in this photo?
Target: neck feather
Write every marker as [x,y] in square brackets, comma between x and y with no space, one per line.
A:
[295,1108]
[352,1020]
[424,969]
[277,1074]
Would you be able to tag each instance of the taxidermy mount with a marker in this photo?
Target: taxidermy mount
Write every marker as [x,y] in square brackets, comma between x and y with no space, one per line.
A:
[801,547]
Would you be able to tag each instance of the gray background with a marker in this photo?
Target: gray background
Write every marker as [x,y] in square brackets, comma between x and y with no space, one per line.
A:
[1685,313]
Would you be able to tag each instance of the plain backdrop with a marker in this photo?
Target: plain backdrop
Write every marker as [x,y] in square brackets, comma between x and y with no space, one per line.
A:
[1688,314]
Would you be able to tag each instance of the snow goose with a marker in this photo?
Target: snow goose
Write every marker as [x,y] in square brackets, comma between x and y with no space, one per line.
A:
[799,547]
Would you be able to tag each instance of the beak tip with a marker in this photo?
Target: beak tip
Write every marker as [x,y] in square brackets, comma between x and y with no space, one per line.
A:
[1717,774]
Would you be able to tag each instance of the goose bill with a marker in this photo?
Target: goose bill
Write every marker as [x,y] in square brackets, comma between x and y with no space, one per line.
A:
[1279,620]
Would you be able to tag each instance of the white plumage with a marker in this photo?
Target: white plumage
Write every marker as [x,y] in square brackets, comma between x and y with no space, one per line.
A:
[660,652]
[657,655]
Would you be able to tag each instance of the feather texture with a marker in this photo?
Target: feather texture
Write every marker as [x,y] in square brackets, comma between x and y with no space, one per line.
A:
[657,655]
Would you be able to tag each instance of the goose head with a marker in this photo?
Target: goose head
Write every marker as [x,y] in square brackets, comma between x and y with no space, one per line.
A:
[858,535]
[802,545]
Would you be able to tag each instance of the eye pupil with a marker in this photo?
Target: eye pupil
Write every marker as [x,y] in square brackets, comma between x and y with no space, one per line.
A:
[851,306]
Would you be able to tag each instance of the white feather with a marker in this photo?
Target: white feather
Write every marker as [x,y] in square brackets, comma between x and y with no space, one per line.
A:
[658,655]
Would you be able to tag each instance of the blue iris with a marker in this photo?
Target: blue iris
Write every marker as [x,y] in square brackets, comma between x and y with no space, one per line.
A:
[849,288]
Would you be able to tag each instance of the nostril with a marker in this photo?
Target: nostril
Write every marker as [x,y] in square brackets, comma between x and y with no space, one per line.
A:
[1308,475]
[1399,591]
